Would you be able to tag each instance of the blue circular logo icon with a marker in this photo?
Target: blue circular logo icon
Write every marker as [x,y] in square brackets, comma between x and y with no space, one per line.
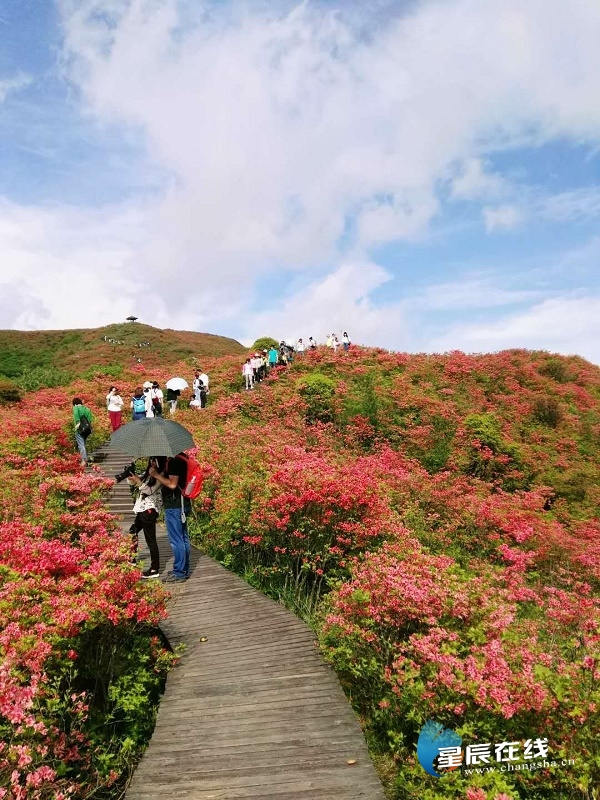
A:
[432,737]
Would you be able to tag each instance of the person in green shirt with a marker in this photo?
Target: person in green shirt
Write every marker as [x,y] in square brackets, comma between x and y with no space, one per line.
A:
[82,429]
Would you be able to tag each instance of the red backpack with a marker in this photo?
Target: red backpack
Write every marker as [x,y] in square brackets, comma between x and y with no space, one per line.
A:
[194,477]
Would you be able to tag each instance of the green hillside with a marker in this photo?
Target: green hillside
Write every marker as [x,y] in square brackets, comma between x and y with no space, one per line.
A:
[75,351]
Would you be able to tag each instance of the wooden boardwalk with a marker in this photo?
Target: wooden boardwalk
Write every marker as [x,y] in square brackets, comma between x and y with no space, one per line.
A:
[253,711]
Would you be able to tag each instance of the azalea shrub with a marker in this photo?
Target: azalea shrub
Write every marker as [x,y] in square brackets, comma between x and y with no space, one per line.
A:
[417,637]
[435,519]
[82,665]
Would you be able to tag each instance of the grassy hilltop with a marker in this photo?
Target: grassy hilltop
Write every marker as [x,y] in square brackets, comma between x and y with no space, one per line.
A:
[75,351]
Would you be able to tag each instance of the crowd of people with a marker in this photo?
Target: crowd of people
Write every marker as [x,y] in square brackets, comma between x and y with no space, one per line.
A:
[159,487]
[147,401]
[256,367]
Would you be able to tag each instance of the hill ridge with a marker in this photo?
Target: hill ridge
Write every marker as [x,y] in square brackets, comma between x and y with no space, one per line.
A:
[77,349]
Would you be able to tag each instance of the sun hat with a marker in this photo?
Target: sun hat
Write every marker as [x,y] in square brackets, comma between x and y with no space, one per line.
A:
[147,384]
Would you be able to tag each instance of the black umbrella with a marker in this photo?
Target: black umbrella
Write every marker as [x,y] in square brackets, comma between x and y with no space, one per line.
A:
[153,436]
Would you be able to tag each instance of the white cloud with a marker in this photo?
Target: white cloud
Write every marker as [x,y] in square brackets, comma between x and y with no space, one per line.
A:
[339,302]
[502,218]
[473,182]
[291,138]
[471,293]
[565,325]
[279,126]
[567,206]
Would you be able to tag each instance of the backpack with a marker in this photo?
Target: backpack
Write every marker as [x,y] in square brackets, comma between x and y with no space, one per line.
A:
[157,406]
[85,427]
[139,405]
[194,477]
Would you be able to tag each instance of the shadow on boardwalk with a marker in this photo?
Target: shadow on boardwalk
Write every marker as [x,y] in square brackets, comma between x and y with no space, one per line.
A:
[253,711]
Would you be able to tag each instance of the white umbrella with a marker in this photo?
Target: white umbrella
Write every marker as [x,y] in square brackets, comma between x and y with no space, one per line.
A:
[176,383]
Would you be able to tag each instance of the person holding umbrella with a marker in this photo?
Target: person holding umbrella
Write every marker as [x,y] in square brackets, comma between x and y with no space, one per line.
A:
[174,389]
[164,440]
[172,477]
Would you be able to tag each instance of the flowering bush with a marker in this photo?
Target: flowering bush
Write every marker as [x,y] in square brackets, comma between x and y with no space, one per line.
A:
[435,517]
[438,526]
[81,667]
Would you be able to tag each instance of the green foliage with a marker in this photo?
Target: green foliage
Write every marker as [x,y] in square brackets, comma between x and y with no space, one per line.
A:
[486,428]
[122,673]
[42,378]
[363,401]
[264,343]
[108,370]
[9,391]
[493,458]
[547,411]
[318,392]
[556,369]
[15,360]
[435,458]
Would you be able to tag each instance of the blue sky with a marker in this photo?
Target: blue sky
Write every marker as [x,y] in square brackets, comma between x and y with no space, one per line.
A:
[425,175]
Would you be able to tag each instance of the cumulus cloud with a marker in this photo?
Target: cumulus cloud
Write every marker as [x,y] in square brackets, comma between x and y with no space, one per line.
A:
[65,268]
[474,182]
[568,325]
[297,140]
[281,126]
[503,218]
[341,301]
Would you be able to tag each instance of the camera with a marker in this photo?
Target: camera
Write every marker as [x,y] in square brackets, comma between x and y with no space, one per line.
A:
[127,472]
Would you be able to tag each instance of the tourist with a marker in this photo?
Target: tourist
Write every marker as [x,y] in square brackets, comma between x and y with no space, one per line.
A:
[114,403]
[248,373]
[335,344]
[148,399]
[172,397]
[196,382]
[171,474]
[200,389]
[204,379]
[346,341]
[273,357]
[202,393]
[300,347]
[256,362]
[157,399]
[82,418]
[312,345]
[138,404]
[329,340]
[146,508]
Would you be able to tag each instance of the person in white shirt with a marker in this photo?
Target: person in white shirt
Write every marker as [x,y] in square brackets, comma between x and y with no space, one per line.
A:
[204,379]
[114,403]
[148,400]
[335,344]
[312,345]
[157,397]
[346,341]
[329,340]
[248,374]
[255,363]
[300,347]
